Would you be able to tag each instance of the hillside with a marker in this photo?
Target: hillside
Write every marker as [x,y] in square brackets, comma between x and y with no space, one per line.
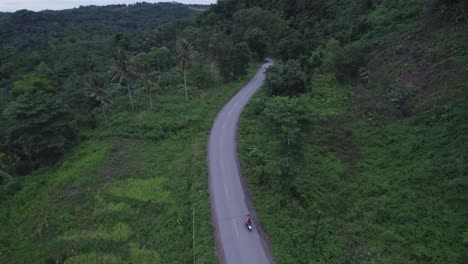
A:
[362,157]
[102,135]
[354,151]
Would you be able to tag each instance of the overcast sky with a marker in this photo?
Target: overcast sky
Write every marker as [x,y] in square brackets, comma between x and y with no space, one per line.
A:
[38,5]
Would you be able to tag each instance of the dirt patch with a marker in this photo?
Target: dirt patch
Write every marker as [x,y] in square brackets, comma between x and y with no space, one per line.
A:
[72,191]
[118,158]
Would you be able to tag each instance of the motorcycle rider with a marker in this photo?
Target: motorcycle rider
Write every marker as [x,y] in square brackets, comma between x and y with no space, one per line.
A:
[249,220]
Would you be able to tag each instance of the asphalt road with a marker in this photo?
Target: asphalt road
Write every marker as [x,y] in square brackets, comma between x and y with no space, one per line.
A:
[229,202]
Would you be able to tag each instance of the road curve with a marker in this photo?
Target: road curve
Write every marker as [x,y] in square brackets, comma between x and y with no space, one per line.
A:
[229,202]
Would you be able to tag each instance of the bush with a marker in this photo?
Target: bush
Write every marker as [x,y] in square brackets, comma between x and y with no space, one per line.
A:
[287,80]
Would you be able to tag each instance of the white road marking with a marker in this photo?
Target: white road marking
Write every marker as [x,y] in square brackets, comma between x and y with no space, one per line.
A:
[226,192]
[222,165]
[235,227]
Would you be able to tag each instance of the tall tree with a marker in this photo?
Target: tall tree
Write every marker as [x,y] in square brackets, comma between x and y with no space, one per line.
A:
[184,59]
[124,73]
[162,57]
[143,65]
[96,90]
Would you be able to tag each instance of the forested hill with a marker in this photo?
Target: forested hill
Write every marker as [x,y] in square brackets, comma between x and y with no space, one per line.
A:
[81,40]
[355,151]
[24,29]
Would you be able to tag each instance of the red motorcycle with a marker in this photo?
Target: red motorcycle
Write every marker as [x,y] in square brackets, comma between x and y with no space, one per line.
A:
[248,223]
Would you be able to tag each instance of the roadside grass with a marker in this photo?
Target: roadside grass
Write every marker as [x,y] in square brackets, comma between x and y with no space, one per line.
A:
[126,194]
[377,191]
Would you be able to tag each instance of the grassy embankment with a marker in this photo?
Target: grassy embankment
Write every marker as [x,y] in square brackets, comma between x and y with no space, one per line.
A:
[386,194]
[381,188]
[125,194]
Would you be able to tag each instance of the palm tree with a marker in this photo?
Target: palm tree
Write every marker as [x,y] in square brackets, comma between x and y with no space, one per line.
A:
[184,58]
[96,90]
[143,67]
[124,73]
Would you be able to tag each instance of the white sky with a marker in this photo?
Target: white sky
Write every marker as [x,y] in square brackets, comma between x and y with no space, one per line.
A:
[37,5]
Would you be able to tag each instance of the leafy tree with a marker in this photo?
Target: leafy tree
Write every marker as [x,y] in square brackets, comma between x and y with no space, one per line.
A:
[291,46]
[233,60]
[39,127]
[124,73]
[97,91]
[224,58]
[185,59]
[286,80]
[288,118]
[241,59]
[201,72]
[162,56]
[257,40]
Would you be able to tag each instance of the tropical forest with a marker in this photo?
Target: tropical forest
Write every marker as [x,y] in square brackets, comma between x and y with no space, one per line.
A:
[354,149]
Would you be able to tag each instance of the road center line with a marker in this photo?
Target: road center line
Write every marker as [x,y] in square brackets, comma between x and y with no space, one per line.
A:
[226,192]
[235,227]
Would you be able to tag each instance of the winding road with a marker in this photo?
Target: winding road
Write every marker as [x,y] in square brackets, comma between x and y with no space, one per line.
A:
[230,203]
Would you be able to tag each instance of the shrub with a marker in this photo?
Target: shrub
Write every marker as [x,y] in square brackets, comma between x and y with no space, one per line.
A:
[287,80]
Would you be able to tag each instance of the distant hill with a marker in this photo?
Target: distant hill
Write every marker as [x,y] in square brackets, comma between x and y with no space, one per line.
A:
[25,29]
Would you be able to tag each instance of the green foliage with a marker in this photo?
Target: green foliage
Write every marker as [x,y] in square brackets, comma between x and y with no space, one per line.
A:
[144,66]
[288,118]
[291,46]
[185,56]
[257,40]
[92,258]
[241,59]
[32,83]
[124,72]
[121,198]
[161,58]
[144,256]
[96,88]
[39,128]
[202,74]
[375,194]
[233,60]
[286,80]
[347,62]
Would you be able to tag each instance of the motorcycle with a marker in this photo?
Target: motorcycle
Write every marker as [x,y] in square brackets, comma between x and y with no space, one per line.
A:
[249,226]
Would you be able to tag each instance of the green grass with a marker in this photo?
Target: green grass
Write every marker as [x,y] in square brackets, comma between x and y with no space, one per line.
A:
[126,194]
[386,192]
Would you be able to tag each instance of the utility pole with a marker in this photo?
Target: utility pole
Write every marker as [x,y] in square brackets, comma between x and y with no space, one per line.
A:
[193,234]
[316,228]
